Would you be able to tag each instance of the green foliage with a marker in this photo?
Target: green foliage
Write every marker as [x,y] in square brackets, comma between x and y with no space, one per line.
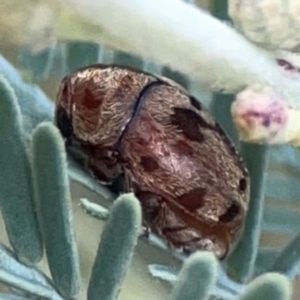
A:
[118,241]
[94,210]
[52,193]
[196,278]
[25,278]
[53,201]
[16,197]
[128,60]
[79,54]
[240,264]
[269,286]
[176,76]
[35,106]
[220,108]
[40,64]
[288,259]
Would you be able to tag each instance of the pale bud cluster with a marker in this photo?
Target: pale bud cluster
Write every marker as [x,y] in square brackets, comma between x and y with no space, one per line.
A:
[273,24]
[262,117]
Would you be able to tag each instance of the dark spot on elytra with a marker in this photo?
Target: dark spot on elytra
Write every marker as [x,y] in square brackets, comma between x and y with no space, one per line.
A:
[90,101]
[183,148]
[190,123]
[230,214]
[149,164]
[63,122]
[193,200]
[184,120]
[243,184]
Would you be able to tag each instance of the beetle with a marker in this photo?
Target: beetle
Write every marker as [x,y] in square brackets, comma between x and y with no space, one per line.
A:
[165,146]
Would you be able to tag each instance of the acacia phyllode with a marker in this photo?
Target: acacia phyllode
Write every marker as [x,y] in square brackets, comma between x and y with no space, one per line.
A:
[151,133]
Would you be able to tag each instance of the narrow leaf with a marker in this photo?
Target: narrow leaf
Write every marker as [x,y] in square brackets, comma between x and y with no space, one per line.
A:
[289,259]
[240,264]
[197,277]
[116,249]
[10,265]
[270,286]
[16,196]
[53,198]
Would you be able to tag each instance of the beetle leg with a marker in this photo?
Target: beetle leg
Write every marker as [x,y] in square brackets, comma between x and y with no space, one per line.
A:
[128,185]
[186,245]
[151,207]
[117,185]
[103,170]
[103,163]
[146,230]
[167,230]
[170,233]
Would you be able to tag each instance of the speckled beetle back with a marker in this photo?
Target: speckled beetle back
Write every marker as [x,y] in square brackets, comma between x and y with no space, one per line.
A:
[166,148]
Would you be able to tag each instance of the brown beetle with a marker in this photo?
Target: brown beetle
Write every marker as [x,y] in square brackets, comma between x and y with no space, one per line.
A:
[192,184]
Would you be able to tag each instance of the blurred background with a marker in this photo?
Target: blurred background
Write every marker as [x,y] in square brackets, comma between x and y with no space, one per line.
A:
[44,40]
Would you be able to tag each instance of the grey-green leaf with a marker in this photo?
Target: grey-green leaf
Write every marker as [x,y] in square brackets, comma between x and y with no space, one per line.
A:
[25,285]
[80,54]
[197,277]
[116,248]
[270,286]
[241,261]
[289,258]
[95,210]
[16,197]
[10,264]
[53,198]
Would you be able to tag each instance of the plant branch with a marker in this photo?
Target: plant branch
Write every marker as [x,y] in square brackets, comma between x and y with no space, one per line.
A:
[206,49]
